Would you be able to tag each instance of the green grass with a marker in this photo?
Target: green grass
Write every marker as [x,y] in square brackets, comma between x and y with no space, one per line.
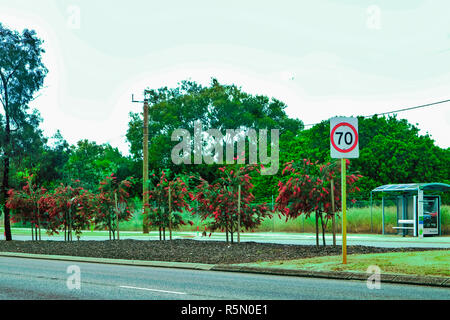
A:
[358,221]
[425,263]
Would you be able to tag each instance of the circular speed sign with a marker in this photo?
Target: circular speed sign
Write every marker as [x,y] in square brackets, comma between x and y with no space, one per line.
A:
[344,138]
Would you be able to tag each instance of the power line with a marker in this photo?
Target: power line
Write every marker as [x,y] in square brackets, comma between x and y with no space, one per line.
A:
[395,111]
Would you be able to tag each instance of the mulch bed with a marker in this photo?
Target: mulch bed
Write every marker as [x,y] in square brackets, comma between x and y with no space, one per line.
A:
[184,250]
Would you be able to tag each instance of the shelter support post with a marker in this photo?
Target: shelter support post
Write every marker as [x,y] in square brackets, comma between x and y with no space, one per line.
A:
[382,210]
[420,212]
[371,220]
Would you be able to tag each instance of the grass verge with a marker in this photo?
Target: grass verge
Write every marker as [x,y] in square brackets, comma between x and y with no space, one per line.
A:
[423,263]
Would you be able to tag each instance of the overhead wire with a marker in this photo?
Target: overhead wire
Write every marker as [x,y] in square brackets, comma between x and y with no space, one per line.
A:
[395,111]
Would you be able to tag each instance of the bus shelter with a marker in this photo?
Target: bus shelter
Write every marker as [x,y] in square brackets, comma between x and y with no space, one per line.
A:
[418,210]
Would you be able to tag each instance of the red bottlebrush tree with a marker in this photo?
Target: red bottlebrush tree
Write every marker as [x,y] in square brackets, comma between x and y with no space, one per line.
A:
[69,209]
[111,205]
[218,202]
[167,199]
[25,206]
[306,188]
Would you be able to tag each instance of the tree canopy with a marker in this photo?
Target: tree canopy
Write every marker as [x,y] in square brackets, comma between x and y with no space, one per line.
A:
[218,107]
[22,74]
[391,151]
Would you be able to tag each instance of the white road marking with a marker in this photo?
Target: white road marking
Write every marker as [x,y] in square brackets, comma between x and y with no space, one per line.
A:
[148,289]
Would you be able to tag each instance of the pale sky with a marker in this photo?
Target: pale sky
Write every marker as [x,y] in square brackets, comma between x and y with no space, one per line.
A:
[322,58]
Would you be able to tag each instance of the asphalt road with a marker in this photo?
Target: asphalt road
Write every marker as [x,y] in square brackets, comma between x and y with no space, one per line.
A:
[45,279]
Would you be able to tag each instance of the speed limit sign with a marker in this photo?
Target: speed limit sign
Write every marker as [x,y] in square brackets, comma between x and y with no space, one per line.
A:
[344,139]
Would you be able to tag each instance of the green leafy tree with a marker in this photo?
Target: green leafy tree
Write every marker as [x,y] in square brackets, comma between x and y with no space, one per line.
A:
[216,106]
[111,204]
[90,162]
[22,74]
[52,160]
[25,205]
[167,199]
[306,188]
[391,151]
[225,207]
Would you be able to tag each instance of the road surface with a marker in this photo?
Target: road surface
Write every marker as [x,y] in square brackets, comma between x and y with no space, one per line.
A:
[22,278]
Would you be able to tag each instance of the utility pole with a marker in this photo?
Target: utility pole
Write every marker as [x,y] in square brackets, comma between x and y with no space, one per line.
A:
[144,162]
[145,167]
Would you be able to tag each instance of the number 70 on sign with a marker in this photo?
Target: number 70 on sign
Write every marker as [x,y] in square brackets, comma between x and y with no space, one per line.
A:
[344,138]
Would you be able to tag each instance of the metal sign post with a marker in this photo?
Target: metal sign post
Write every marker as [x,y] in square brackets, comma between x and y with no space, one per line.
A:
[344,209]
[344,144]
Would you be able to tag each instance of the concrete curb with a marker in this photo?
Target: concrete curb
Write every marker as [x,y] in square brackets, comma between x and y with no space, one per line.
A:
[385,277]
[389,278]
[161,264]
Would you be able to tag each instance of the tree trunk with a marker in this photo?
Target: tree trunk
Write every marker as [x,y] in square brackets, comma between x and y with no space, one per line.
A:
[109,228]
[70,224]
[170,214]
[117,215]
[39,226]
[231,231]
[239,217]
[5,183]
[333,222]
[323,228]
[317,229]
[38,229]
[226,231]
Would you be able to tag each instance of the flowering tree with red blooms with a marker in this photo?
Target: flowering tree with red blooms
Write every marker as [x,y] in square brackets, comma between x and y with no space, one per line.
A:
[111,205]
[69,209]
[228,209]
[25,206]
[306,188]
[167,199]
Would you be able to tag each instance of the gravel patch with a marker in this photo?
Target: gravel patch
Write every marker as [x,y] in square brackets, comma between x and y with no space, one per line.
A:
[185,250]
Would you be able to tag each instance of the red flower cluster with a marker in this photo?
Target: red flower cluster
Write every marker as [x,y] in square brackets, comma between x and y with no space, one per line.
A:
[307,188]
[218,202]
[70,208]
[158,200]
